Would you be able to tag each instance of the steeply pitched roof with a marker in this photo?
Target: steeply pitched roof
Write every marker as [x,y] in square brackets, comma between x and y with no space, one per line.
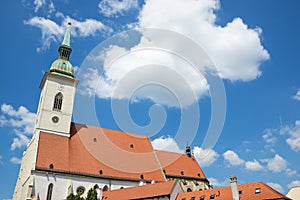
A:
[112,154]
[99,152]
[141,192]
[250,191]
[179,165]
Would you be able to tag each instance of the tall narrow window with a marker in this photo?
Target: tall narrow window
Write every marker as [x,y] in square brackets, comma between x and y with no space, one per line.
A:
[49,193]
[58,101]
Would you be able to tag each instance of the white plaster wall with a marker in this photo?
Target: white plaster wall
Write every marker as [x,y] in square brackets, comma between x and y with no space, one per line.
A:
[54,84]
[61,184]
[28,164]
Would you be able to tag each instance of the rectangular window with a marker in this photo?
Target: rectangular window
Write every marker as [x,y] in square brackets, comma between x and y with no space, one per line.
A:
[257,190]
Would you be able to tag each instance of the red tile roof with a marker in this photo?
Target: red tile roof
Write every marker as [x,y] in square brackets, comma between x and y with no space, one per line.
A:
[175,164]
[91,149]
[141,192]
[247,193]
[112,154]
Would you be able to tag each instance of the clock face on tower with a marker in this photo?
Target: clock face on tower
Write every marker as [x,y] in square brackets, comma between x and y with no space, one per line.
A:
[55,119]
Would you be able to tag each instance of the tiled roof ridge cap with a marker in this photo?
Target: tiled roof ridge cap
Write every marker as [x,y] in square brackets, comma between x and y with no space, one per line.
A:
[135,135]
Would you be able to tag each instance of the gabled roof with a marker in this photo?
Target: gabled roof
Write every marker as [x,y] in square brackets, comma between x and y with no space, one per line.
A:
[99,152]
[179,165]
[109,153]
[141,192]
[249,191]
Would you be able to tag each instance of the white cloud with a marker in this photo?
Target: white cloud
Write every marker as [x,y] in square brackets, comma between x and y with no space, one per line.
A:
[232,158]
[19,142]
[205,157]
[276,164]
[15,160]
[297,95]
[166,144]
[293,133]
[124,70]
[269,137]
[235,48]
[276,186]
[38,4]
[114,7]
[292,184]
[290,172]
[52,32]
[20,119]
[216,183]
[253,165]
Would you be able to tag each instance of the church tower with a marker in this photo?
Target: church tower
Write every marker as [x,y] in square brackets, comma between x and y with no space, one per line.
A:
[58,89]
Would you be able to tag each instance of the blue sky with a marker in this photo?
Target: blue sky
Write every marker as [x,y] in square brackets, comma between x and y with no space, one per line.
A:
[254,46]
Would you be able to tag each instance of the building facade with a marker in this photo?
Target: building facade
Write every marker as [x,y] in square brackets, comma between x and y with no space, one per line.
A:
[64,157]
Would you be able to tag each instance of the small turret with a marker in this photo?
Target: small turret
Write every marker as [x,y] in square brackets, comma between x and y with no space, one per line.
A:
[188,150]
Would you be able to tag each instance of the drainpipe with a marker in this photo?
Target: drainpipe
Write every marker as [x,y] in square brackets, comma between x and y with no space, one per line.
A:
[234,188]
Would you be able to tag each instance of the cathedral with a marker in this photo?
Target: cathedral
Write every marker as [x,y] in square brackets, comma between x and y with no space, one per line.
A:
[66,158]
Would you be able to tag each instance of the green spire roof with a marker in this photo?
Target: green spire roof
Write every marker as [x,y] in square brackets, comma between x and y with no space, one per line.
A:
[62,65]
[67,38]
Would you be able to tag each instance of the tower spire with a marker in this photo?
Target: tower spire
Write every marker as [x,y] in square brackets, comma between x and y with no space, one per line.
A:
[65,48]
[62,65]
[66,42]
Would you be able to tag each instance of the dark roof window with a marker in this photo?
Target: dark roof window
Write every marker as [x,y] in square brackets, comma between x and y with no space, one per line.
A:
[202,197]
[257,190]
[212,196]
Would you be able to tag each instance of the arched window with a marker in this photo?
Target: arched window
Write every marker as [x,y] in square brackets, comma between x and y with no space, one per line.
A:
[58,101]
[49,193]
[105,188]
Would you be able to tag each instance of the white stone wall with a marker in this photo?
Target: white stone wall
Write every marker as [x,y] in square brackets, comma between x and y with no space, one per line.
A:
[52,85]
[28,163]
[61,184]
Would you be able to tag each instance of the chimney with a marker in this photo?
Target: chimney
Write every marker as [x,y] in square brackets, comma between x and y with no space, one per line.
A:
[234,188]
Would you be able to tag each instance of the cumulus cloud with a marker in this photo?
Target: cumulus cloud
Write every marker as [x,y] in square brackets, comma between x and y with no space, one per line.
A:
[253,165]
[276,186]
[53,32]
[166,143]
[293,133]
[15,160]
[21,120]
[116,7]
[276,164]
[297,95]
[232,158]
[19,142]
[205,157]
[235,48]
[292,184]
[146,69]
[216,183]
[269,137]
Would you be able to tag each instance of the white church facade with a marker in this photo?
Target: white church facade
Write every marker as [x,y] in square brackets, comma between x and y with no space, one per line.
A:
[64,157]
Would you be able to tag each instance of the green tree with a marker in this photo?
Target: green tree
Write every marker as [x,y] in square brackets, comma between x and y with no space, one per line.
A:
[91,195]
